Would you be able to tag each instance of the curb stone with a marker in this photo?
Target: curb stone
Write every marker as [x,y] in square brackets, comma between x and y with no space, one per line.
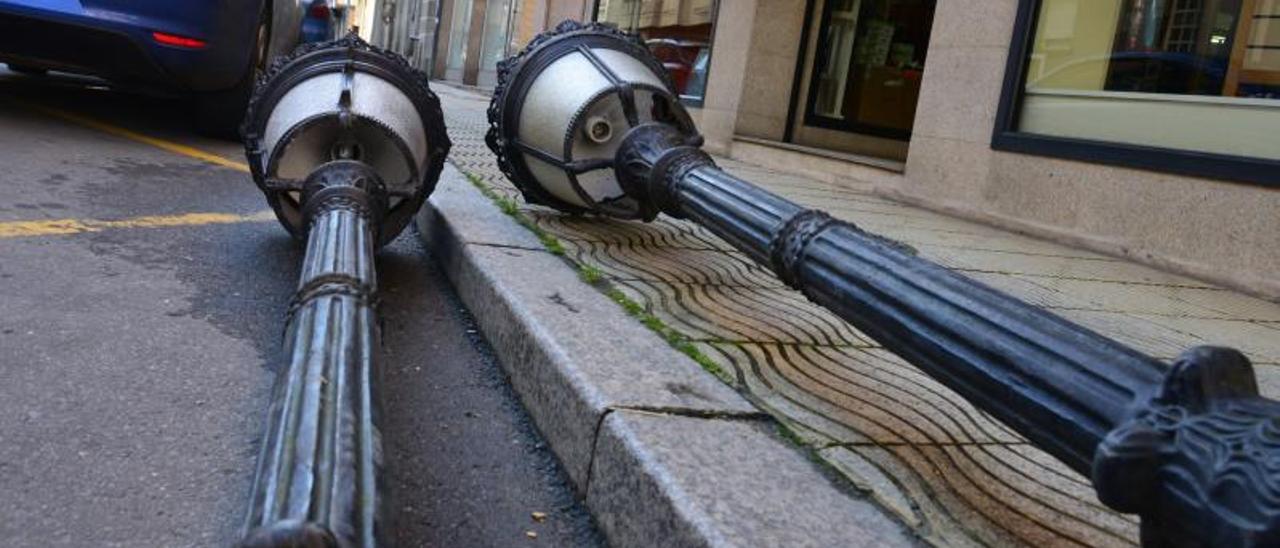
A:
[660,449]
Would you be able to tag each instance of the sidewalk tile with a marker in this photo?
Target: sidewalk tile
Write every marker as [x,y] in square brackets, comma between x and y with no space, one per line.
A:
[686,266]
[749,314]
[868,391]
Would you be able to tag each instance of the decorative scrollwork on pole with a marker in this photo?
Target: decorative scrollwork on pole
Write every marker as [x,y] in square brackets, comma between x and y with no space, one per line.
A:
[1202,459]
[786,249]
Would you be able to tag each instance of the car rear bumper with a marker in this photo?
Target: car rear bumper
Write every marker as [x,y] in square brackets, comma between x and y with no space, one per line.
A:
[113,39]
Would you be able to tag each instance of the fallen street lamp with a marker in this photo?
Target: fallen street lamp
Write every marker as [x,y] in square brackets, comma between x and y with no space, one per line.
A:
[346,141]
[585,120]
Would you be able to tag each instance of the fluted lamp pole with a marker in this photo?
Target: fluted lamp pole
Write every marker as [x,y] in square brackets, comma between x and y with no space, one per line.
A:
[585,120]
[346,141]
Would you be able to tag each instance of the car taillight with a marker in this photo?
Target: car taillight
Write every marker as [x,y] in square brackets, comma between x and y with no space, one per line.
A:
[178,41]
[320,9]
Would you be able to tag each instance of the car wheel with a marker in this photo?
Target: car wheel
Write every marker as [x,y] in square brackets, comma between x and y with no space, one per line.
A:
[219,113]
[23,69]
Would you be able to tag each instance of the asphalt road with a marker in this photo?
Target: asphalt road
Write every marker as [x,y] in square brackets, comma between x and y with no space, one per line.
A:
[142,292]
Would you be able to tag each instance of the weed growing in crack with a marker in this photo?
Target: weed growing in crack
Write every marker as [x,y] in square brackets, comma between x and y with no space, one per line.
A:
[591,274]
[674,337]
[512,209]
[597,278]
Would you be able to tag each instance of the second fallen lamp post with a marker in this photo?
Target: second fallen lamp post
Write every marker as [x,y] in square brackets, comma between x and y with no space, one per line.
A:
[346,141]
[584,120]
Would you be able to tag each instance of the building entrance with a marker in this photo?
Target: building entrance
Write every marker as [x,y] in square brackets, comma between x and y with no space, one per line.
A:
[861,75]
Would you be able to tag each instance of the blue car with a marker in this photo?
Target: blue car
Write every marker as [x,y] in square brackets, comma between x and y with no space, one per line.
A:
[210,49]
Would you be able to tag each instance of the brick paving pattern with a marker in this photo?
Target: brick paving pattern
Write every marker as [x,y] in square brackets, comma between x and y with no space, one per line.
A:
[945,468]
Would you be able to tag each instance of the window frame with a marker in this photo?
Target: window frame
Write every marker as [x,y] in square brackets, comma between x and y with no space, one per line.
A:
[1006,137]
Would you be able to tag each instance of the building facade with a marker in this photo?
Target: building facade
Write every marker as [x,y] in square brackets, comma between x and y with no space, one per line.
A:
[1148,129]
[471,36]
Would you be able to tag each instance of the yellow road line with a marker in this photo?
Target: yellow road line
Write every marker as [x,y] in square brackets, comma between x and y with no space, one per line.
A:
[52,227]
[19,229]
[145,139]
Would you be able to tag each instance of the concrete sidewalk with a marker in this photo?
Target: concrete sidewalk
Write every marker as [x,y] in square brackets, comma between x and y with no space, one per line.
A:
[945,470]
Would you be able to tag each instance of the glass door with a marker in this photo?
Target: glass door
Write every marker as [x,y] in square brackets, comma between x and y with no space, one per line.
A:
[835,59]
[862,75]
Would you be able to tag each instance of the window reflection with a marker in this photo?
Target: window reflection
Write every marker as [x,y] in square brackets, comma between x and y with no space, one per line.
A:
[1187,47]
[1198,75]
[869,65]
[678,32]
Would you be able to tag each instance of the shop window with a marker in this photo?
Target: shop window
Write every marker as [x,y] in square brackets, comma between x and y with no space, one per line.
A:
[678,32]
[868,66]
[1186,85]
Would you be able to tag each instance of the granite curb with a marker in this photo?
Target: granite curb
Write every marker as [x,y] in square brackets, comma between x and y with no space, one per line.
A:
[661,450]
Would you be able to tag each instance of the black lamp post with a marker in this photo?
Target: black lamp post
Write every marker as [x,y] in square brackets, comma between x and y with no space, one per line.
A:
[585,120]
[346,141]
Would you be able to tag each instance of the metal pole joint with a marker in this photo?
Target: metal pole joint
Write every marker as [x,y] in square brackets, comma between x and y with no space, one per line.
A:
[345,184]
[786,249]
[651,160]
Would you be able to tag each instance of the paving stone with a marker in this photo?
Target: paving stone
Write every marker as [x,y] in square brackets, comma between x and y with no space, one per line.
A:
[1039,493]
[662,233]
[722,483]
[891,220]
[966,491]
[815,422]
[743,314]
[1258,341]
[1132,298]
[1070,294]
[870,392]
[869,478]
[1268,379]
[689,266]
[946,519]
[1045,264]
[965,240]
